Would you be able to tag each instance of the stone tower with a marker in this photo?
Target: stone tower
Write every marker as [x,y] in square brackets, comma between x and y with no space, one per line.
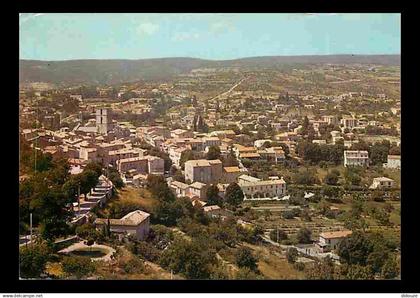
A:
[103,121]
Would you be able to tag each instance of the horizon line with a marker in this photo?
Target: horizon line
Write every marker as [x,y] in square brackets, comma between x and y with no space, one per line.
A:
[186,57]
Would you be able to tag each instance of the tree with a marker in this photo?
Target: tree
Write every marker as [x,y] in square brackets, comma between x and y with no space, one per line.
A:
[245,258]
[378,152]
[32,260]
[390,269]
[305,177]
[213,153]
[323,270]
[191,258]
[331,193]
[77,266]
[94,166]
[234,195]
[212,195]
[278,235]
[89,180]
[159,188]
[355,249]
[292,255]
[358,272]
[115,178]
[332,178]
[230,160]
[304,236]
[186,155]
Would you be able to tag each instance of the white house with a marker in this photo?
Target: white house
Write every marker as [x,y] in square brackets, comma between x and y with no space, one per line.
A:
[136,223]
[394,162]
[356,158]
[331,240]
[382,183]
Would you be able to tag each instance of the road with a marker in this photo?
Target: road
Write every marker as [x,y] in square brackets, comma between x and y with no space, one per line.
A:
[230,90]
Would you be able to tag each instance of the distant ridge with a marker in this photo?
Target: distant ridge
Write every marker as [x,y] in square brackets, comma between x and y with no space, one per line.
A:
[113,71]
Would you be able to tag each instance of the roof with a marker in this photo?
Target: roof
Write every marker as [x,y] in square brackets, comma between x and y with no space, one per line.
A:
[198,185]
[336,234]
[383,179]
[262,182]
[248,178]
[179,184]
[211,208]
[202,162]
[249,155]
[134,218]
[232,169]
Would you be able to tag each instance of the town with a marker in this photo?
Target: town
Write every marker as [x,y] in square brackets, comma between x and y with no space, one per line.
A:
[220,173]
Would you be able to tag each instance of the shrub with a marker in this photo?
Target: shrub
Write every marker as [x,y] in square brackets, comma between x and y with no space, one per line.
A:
[77,266]
[292,255]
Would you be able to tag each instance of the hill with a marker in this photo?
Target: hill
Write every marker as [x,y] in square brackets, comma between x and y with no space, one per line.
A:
[117,71]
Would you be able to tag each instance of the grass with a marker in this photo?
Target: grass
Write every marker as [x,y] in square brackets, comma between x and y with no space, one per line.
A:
[54,269]
[273,265]
[139,196]
[129,195]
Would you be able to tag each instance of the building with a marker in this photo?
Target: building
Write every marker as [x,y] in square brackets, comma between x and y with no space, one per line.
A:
[349,122]
[179,189]
[202,170]
[140,164]
[330,240]
[198,190]
[231,174]
[356,158]
[256,188]
[382,183]
[136,223]
[156,165]
[103,121]
[394,162]
[330,119]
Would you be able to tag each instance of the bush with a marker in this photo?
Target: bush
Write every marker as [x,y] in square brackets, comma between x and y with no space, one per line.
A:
[292,255]
[32,260]
[299,266]
[245,258]
[304,236]
[77,266]
[134,265]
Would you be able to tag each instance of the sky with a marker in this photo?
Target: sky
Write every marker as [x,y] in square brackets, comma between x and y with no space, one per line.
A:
[67,36]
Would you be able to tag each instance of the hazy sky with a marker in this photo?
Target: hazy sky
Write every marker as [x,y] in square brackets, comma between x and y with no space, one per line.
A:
[209,36]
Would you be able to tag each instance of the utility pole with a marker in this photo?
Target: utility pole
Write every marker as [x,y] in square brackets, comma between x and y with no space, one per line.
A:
[35,153]
[78,198]
[30,225]
[172,274]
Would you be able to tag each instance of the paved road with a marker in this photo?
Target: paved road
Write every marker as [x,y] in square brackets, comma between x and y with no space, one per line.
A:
[230,90]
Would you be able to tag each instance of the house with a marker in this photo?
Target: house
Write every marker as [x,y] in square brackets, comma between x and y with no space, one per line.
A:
[330,240]
[356,158]
[198,190]
[267,189]
[156,165]
[382,183]
[180,189]
[230,174]
[349,122]
[136,223]
[394,162]
[137,163]
[215,211]
[202,170]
